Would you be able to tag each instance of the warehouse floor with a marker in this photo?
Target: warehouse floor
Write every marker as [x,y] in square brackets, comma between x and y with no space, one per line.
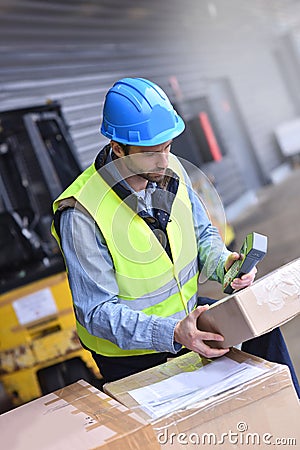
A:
[277,215]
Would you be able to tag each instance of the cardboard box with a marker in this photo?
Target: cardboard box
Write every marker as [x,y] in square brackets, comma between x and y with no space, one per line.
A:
[268,303]
[260,413]
[77,417]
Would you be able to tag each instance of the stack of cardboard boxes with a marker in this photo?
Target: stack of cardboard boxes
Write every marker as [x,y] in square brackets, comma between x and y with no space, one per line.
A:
[256,411]
[262,411]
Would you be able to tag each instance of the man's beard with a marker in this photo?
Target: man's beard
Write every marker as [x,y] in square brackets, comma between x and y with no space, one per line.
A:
[152,176]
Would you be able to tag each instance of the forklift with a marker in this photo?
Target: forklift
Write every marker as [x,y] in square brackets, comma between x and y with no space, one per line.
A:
[39,348]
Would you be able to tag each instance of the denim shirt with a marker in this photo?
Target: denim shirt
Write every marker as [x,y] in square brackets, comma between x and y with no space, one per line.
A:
[93,284]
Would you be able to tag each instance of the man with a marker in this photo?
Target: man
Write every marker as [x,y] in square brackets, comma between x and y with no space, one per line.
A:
[135,238]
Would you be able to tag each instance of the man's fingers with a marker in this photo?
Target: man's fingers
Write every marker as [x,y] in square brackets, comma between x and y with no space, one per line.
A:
[207,336]
[234,256]
[245,280]
[187,334]
[199,310]
[250,275]
[210,352]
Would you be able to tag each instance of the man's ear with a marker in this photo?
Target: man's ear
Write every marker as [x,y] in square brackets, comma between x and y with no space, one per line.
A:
[117,149]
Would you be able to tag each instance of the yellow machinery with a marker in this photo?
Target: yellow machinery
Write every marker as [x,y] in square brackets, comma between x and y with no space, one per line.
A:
[39,347]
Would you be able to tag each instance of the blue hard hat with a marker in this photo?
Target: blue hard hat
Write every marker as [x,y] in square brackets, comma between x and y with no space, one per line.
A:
[138,112]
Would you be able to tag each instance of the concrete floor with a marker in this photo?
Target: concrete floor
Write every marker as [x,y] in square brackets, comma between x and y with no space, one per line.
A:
[277,215]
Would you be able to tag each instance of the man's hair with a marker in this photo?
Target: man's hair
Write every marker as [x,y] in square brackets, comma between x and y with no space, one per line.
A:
[125,147]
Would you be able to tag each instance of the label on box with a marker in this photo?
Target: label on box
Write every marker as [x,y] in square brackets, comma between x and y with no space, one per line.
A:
[35,306]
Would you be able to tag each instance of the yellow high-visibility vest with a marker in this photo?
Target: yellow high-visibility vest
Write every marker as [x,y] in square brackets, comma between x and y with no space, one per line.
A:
[148,280]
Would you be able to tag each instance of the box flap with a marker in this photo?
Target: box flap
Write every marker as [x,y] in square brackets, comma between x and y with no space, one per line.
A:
[78,417]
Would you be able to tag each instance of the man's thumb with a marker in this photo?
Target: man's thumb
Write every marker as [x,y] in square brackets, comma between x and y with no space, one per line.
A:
[200,309]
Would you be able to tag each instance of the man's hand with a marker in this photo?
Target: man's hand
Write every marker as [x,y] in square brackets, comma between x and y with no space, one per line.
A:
[245,280]
[187,334]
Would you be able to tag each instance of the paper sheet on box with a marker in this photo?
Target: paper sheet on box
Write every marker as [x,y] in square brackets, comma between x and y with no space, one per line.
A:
[185,388]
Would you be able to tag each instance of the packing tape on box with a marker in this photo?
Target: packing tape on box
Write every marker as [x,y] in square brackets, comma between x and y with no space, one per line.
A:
[279,288]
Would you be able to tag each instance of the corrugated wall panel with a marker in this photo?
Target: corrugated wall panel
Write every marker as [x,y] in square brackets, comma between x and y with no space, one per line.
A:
[72,51]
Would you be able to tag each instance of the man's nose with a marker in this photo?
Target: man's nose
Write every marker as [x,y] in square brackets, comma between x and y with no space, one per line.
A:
[163,160]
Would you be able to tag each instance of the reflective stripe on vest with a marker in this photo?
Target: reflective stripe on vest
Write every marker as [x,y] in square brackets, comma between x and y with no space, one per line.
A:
[148,280]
